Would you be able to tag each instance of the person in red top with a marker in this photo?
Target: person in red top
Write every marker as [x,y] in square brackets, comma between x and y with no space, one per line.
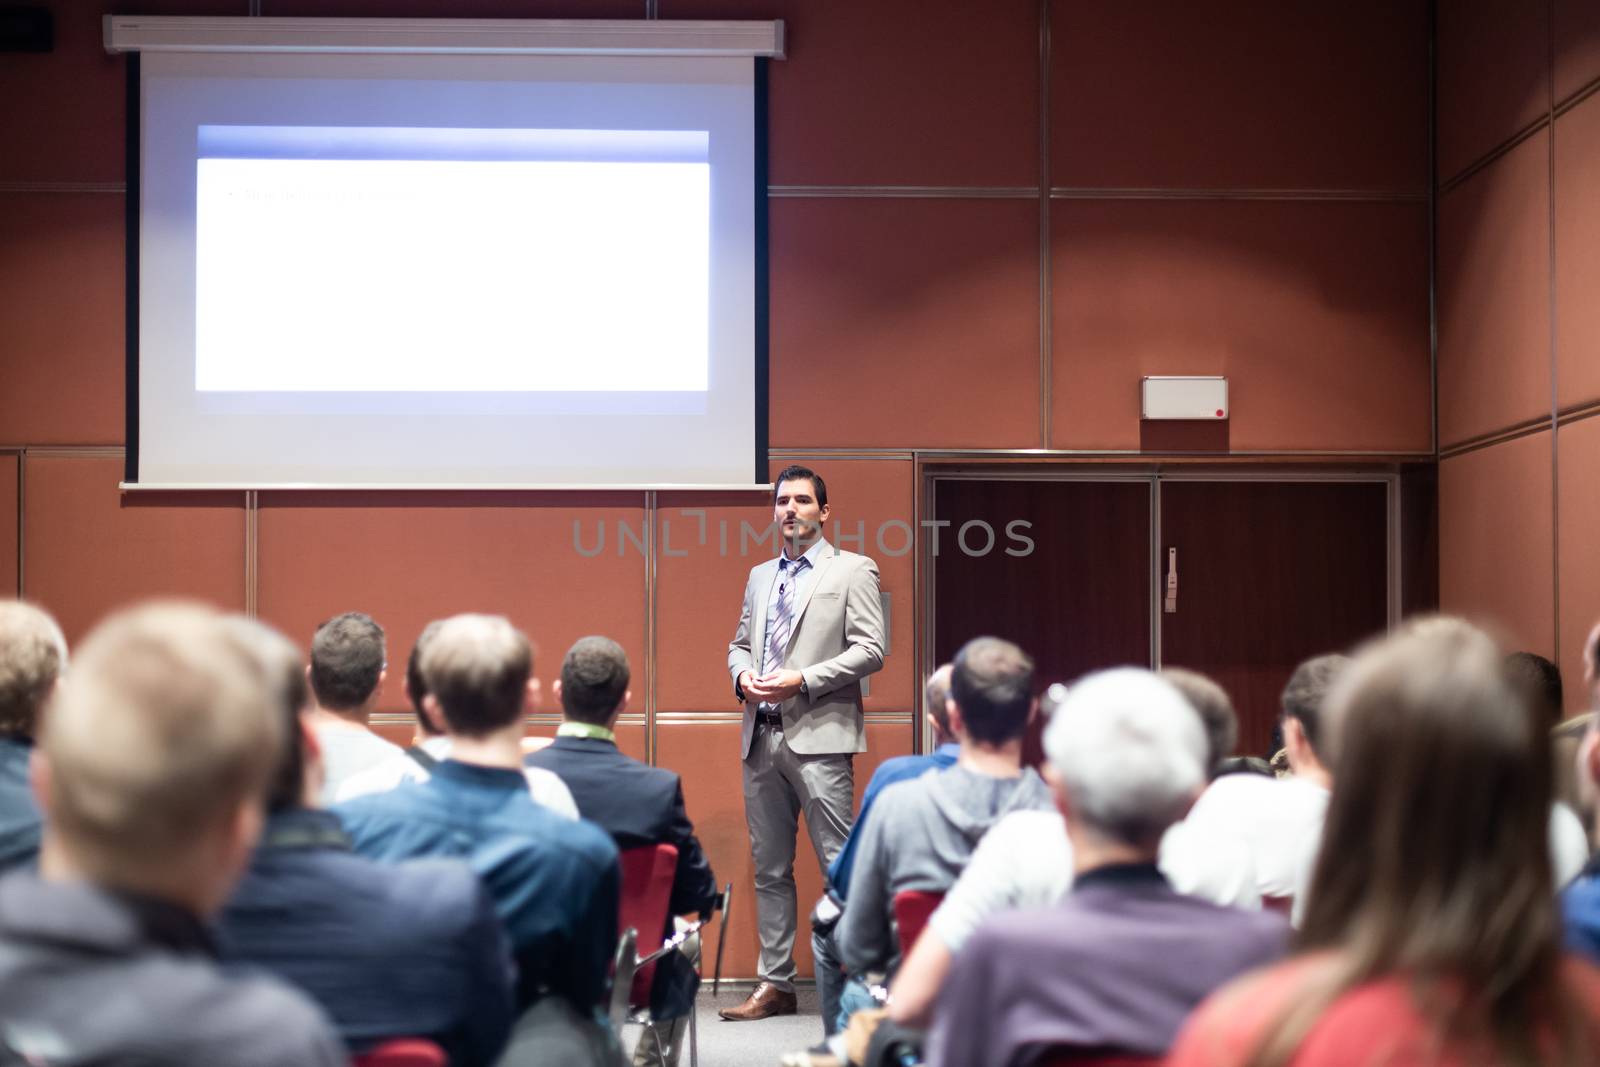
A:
[1431,934]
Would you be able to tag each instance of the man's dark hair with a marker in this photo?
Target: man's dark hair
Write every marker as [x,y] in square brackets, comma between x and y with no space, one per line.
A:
[794,472]
[594,676]
[1210,701]
[416,684]
[992,685]
[1537,682]
[347,658]
[1307,692]
[1244,765]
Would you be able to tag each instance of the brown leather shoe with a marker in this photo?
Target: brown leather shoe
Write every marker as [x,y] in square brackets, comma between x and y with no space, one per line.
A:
[767,1000]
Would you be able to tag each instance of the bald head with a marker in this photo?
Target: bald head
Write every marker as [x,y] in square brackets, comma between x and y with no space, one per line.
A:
[477,668]
[32,655]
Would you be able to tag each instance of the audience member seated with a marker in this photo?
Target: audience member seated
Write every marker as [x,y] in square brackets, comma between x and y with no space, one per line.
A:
[825,917]
[639,806]
[1567,737]
[1537,684]
[1026,862]
[923,831]
[153,759]
[347,671]
[1431,935]
[1581,900]
[555,880]
[413,764]
[32,655]
[1214,867]
[1124,957]
[1280,820]
[412,949]
[1565,741]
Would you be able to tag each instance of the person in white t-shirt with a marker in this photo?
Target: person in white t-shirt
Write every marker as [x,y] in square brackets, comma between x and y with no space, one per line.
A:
[347,670]
[413,764]
[1280,819]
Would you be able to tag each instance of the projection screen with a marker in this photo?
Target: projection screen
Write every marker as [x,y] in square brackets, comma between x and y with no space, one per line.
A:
[447,270]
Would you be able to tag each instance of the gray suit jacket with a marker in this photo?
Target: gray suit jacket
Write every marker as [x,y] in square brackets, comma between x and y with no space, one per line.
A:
[837,640]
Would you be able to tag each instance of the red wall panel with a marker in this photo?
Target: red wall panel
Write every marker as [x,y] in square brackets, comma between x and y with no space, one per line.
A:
[1578,506]
[90,549]
[1577,40]
[1241,95]
[1494,296]
[900,323]
[1577,238]
[697,594]
[1496,551]
[61,347]
[898,92]
[1317,312]
[1493,75]
[706,755]
[68,106]
[406,559]
[10,471]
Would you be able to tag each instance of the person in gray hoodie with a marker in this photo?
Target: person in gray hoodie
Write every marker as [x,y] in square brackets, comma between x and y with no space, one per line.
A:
[923,831]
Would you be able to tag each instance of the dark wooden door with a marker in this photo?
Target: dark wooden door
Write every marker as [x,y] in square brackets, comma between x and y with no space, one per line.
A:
[1077,601]
[1269,574]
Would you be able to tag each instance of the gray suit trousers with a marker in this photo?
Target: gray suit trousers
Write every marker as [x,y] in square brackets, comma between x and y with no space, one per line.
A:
[778,785]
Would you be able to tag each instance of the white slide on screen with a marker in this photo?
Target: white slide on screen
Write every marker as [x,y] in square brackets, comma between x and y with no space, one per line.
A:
[446,271]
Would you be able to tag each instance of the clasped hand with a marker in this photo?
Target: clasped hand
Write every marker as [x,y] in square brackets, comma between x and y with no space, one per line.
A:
[773,687]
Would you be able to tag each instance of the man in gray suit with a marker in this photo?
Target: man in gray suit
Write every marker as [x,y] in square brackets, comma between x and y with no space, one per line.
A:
[811,629]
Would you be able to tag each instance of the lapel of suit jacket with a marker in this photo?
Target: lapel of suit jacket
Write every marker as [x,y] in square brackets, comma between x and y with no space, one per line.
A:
[824,559]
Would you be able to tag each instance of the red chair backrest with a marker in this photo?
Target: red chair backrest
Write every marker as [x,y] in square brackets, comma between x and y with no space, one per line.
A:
[403,1052]
[646,895]
[912,907]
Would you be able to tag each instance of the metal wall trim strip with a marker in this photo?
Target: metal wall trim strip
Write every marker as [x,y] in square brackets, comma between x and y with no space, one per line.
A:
[1360,196]
[650,674]
[1499,150]
[1046,276]
[902,192]
[118,188]
[1499,437]
[1578,412]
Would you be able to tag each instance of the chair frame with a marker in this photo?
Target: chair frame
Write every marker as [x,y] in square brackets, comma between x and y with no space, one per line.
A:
[628,962]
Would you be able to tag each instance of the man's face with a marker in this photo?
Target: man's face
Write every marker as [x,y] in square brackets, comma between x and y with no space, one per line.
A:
[797,512]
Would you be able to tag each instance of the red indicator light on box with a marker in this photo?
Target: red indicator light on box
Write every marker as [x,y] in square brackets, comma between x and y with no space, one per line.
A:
[1219,413]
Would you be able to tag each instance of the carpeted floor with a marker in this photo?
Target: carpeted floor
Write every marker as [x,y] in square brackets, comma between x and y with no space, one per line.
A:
[758,1044]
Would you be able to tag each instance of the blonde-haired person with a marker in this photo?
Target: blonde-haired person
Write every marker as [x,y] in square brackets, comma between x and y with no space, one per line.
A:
[1431,935]
[151,770]
[33,654]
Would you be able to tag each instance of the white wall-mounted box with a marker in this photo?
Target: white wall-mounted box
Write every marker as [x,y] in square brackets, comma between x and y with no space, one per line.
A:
[1184,397]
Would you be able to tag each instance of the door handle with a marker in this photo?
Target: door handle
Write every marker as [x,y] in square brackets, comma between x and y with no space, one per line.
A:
[1170,605]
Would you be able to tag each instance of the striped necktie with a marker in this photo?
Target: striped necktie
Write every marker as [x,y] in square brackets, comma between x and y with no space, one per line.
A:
[783,617]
